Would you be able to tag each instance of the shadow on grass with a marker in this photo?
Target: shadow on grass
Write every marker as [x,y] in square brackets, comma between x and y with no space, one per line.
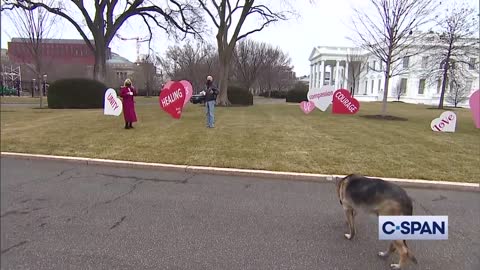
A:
[44,109]
[384,117]
[445,108]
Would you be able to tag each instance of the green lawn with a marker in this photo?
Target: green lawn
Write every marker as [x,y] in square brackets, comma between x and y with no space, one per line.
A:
[270,136]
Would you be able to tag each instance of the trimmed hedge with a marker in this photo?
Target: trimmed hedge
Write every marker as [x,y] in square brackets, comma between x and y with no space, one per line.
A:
[274,94]
[239,96]
[143,92]
[76,93]
[298,93]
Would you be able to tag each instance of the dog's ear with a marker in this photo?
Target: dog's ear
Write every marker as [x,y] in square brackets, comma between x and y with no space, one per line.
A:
[337,180]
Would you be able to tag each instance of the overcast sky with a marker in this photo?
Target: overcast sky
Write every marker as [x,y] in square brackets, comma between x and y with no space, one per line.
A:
[326,22]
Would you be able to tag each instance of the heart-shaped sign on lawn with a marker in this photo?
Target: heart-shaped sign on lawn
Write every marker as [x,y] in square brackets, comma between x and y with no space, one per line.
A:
[188,91]
[445,123]
[172,99]
[307,106]
[321,97]
[344,103]
[475,107]
[112,105]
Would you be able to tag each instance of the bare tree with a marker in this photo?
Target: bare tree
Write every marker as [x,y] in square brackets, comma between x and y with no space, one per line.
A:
[456,46]
[357,62]
[249,57]
[254,64]
[33,27]
[285,78]
[276,72]
[189,62]
[223,13]
[459,89]
[103,23]
[387,33]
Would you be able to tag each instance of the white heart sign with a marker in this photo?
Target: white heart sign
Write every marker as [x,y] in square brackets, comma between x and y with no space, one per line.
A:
[321,97]
[445,123]
[112,104]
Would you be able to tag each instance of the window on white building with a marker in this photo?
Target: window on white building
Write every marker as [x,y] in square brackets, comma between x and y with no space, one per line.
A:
[425,62]
[379,83]
[468,85]
[439,86]
[371,87]
[403,85]
[453,85]
[374,65]
[406,61]
[366,87]
[381,65]
[421,86]
[471,64]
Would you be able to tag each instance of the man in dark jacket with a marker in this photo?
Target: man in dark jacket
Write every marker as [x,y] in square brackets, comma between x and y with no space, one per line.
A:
[211,93]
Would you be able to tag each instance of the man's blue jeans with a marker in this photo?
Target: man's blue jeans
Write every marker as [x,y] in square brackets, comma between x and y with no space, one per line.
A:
[210,110]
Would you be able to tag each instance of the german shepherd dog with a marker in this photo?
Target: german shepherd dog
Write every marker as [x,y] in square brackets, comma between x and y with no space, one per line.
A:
[379,197]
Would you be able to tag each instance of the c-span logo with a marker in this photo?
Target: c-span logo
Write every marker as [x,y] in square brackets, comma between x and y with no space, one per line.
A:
[413,227]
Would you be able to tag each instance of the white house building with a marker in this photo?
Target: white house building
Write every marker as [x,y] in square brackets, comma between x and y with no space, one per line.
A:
[333,66]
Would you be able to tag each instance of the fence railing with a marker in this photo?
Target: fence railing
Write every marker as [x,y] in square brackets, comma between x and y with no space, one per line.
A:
[23,88]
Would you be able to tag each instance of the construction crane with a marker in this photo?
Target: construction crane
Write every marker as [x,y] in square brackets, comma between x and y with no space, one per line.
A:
[138,41]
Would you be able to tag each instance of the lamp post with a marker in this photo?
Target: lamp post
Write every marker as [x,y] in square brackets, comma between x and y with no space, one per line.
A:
[34,86]
[44,84]
[17,86]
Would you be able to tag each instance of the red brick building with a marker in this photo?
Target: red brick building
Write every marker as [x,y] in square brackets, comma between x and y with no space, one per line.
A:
[67,58]
[54,51]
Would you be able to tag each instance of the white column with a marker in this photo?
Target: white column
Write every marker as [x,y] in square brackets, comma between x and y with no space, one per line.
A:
[319,71]
[312,76]
[322,73]
[337,67]
[346,76]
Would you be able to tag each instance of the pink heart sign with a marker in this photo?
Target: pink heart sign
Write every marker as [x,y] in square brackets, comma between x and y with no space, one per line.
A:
[344,103]
[475,107]
[172,99]
[188,91]
[307,106]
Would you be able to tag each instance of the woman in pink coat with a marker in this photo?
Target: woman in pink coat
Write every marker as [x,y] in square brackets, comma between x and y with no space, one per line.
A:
[127,92]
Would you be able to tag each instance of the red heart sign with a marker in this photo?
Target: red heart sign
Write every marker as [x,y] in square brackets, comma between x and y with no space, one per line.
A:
[172,99]
[344,103]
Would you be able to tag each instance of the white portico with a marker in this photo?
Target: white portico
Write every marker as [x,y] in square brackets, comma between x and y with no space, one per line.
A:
[329,66]
[362,74]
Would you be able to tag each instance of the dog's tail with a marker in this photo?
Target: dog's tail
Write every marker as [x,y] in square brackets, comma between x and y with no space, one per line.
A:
[410,254]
